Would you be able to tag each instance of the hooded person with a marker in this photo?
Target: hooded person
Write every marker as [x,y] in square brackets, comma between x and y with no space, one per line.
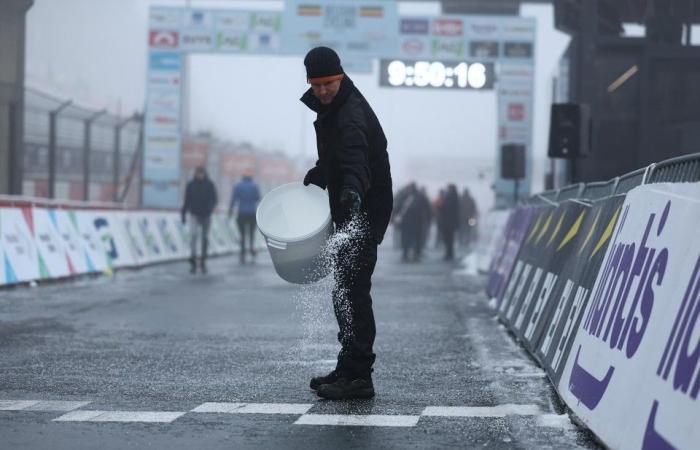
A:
[200,202]
[353,165]
[246,196]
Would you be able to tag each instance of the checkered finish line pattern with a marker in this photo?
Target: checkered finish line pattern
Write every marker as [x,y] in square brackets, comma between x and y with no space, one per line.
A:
[74,411]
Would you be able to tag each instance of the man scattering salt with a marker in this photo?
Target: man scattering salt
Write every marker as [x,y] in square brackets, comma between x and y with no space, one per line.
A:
[353,165]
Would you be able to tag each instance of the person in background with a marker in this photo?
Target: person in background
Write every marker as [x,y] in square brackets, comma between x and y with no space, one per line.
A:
[425,218]
[449,220]
[200,202]
[469,215]
[246,195]
[407,220]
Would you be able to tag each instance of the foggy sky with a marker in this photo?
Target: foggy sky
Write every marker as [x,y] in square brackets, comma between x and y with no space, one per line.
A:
[95,52]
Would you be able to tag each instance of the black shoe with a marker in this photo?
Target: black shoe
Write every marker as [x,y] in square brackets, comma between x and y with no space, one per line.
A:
[347,389]
[316,382]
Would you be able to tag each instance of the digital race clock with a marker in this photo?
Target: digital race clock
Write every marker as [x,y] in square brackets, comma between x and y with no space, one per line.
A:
[436,74]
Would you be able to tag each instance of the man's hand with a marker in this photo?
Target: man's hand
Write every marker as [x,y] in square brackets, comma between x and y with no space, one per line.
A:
[314,176]
[351,202]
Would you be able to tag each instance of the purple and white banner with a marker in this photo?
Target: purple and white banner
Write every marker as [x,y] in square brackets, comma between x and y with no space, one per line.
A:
[633,374]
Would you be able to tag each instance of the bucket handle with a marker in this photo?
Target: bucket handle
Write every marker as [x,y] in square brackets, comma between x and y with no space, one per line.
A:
[277,244]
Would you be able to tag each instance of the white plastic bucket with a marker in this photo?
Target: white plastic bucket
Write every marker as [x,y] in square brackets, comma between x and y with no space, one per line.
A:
[296,223]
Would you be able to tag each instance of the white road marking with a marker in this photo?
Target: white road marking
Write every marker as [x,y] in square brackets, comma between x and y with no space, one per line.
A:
[358,420]
[16,405]
[120,416]
[56,406]
[254,408]
[40,405]
[482,411]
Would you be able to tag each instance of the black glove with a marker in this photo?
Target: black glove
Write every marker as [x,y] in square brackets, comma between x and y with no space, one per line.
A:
[314,176]
[351,202]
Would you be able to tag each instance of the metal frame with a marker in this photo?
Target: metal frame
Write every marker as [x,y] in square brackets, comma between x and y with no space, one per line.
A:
[679,169]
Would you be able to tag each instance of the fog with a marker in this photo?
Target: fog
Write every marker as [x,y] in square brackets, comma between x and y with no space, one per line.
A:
[94,51]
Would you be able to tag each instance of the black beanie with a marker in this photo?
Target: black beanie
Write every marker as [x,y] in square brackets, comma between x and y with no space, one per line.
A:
[322,62]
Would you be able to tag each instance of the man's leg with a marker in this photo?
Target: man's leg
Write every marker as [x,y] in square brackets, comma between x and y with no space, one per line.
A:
[241,231]
[353,306]
[195,230]
[206,224]
[251,234]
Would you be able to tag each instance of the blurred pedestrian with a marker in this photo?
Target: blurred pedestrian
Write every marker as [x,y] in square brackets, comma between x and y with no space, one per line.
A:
[437,206]
[407,219]
[200,202]
[425,217]
[246,195]
[469,214]
[353,165]
[449,220]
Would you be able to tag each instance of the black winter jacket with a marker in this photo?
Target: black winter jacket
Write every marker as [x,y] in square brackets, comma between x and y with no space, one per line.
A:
[352,153]
[200,198]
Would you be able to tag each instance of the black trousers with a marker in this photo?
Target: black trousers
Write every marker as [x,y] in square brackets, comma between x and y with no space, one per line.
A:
[354,265]
[246,227]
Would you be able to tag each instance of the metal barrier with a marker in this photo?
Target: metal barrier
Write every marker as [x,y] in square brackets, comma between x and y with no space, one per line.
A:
[631,180]
[570,191]
[682,168]
[599,189]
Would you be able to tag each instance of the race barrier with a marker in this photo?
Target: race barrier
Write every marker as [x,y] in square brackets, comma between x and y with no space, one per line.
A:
[604,294]
[46,241]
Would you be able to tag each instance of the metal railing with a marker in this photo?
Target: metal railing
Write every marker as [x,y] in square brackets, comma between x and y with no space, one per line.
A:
[684,168]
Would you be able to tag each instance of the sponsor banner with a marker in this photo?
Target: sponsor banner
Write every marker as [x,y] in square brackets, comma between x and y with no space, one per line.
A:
[145,224]
[507,251]
[79,261]
[569,296]
[113,236]
[356,29]
[197,40]
[19,252]
[92,244]
[53,260]
[135,237]
[165,18]
[633,374]
[491,230]
[540,223]
[541,266]
[168,234]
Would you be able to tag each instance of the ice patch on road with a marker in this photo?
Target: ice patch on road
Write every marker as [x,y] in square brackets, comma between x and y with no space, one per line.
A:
[468,266]
[560,421]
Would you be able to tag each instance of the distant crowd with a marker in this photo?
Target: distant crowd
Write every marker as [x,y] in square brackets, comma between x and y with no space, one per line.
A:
[454,215]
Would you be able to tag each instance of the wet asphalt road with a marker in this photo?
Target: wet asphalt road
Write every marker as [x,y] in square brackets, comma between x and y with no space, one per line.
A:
[160,339]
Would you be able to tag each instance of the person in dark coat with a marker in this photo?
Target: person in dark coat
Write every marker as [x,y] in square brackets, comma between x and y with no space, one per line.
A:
[425,217]
[200,202]
[353,165]
[449,220]
[407,218]
[246,196]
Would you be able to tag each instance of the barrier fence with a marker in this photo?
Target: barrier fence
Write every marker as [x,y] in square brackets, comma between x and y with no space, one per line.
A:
[603,289]
[44,240]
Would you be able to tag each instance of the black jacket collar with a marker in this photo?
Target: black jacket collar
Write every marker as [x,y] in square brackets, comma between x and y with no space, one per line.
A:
[346,88]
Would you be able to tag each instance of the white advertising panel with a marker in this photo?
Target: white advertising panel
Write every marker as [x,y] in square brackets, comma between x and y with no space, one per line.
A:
[93,245]
[20,256]
[114,239]
[79,260]
[633,375]
[53,260]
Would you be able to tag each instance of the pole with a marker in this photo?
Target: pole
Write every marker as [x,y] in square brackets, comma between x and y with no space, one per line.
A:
[53,115]
[86,153]
[14,151]
[115,162]
[116,159]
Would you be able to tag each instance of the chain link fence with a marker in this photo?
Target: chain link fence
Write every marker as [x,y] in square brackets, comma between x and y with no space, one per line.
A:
[70,152]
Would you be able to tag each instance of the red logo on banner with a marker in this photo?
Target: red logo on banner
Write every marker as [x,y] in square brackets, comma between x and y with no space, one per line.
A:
[516,112]
[448,27]
[413,46]
[163,39]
